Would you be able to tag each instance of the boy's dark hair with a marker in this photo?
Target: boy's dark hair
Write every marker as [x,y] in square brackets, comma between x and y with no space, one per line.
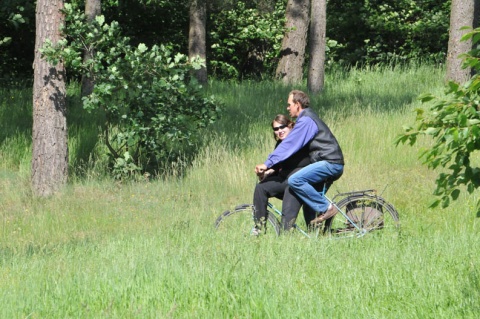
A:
[300,97]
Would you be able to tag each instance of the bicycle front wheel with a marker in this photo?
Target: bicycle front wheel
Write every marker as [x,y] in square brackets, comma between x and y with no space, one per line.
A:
[240,222]
[364,212]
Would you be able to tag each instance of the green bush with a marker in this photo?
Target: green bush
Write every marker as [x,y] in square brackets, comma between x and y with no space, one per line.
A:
[153,108]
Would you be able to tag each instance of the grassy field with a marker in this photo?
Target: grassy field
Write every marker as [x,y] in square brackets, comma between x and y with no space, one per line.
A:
[103,249]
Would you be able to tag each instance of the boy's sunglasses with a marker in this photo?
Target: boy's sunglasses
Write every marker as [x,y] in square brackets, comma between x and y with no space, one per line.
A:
[281,127]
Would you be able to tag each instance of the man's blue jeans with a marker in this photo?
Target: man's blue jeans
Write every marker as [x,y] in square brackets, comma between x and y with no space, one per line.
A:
[304,182]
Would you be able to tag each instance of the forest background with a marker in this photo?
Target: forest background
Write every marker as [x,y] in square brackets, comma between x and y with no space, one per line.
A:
[244,37]
[145,247]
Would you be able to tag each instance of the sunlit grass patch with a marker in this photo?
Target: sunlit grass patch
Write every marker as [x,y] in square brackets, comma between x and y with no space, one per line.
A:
[148,248]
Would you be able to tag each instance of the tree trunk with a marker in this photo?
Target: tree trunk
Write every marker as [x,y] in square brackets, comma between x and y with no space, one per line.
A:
[50,149]
[292,55]
[317,41]
[462,14]
[93,8]
[196,37]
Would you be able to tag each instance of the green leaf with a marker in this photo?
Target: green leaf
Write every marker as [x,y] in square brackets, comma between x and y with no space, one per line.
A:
[179,57]
[453,86]
[432,131]
[425,97]
[445,202]
[434,204]
[142,47]
[5,40]
[455,194]
[100,19]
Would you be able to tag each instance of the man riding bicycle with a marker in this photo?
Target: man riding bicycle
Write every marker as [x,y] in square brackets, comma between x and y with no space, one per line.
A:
[326,158]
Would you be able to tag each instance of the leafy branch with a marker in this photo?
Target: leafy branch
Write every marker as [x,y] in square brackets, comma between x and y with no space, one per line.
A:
[453,122]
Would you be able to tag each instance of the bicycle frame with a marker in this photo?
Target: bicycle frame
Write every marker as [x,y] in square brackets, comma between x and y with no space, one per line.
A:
[361,231]
[362,211]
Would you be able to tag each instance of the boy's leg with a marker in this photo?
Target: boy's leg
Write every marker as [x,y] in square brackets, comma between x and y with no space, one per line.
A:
[303,181]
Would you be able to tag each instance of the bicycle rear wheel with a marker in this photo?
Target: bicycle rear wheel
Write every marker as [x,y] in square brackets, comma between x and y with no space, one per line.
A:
[239,222]
[368,211]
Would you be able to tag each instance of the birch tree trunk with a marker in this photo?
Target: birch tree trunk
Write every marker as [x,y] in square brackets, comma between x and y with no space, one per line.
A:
[93,8]
[50,150]
[317,42]
[196,37]
[463,13]
[292,55]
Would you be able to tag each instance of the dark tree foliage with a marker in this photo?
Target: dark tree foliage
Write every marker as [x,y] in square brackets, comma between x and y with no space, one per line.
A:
[358,32]
[17,40]
[244,41]
[263,6]
[388,30]
[153,22]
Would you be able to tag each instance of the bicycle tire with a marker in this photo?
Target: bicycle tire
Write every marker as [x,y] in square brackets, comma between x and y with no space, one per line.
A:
[367,211]
[239,221]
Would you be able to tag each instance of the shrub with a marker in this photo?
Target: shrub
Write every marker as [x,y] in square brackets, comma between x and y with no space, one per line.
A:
[454,124]
[153,108]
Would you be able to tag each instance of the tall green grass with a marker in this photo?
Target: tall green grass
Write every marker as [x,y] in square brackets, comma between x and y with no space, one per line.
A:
[103,249]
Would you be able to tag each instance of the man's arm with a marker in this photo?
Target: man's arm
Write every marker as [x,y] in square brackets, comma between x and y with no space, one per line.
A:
[303,132]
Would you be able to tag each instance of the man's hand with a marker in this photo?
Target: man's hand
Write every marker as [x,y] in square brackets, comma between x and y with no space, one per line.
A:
[260,169]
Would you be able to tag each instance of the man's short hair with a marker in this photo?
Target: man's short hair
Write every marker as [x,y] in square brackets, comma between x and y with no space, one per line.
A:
[300,97]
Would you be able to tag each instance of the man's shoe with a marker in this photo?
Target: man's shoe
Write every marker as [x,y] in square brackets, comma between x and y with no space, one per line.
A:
[331,211]
[317,221]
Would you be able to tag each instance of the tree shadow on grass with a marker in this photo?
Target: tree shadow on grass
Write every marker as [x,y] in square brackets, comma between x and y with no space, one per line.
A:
[255,104]
[16,118]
